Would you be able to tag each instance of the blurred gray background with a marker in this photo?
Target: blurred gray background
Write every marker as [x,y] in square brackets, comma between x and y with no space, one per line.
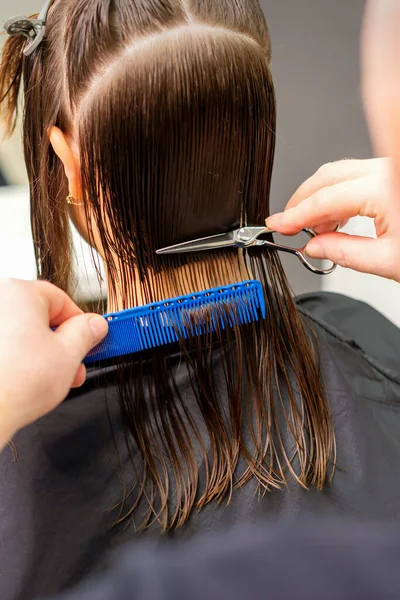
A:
[316,72]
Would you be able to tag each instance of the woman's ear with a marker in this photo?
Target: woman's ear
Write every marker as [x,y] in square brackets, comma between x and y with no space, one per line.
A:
[62,146]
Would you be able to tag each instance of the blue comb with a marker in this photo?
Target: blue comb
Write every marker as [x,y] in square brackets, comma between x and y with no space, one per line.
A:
[167,322]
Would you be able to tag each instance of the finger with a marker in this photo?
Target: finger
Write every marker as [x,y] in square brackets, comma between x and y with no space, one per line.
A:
[80,335]
[329,175]
[329,227]
[337,203]
[326,227]
[58,304]
[362,254]
[80,377]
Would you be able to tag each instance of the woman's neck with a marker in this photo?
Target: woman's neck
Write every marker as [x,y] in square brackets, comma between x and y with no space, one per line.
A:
[202,272]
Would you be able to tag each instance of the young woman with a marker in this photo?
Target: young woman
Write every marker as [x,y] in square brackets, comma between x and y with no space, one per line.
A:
[148,124]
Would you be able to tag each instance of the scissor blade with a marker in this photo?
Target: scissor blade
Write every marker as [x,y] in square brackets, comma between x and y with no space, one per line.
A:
[223,240]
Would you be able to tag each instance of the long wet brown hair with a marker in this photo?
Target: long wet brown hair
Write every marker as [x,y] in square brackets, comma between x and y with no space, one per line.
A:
[172,105]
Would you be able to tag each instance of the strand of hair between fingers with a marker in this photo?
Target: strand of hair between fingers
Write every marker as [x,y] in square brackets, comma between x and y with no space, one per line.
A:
[156,38]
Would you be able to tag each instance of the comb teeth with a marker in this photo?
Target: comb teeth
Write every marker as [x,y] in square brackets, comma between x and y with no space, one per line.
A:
[166,322]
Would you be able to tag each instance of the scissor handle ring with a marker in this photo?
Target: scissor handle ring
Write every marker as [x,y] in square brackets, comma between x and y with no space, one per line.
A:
[301,254]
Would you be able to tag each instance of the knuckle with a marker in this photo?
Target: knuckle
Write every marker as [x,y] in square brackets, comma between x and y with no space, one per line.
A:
[343,259]
[44,285]
[10,288]
[325,170]
[321,201]
[390,260]
[9,283]
[87,335]
[343,162]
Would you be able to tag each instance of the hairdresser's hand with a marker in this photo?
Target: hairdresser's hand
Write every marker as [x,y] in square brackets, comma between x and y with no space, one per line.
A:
[336,193]
[38,367]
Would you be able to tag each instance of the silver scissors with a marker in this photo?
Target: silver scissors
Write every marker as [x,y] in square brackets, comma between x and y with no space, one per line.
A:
[246,237]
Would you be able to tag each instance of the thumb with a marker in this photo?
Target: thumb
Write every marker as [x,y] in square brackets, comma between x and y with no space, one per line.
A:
[81,334]
[362,254]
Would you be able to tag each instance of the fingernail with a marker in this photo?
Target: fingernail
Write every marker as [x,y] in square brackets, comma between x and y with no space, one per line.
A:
[315,250]
[274,220]
[99,327]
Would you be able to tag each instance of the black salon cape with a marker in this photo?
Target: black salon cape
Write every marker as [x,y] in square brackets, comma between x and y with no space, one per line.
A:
[56,526]
[311,561]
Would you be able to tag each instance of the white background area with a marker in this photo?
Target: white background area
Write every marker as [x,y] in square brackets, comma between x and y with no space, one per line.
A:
[17,259]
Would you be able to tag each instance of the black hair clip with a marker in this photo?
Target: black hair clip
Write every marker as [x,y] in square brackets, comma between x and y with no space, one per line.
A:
[33,29]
